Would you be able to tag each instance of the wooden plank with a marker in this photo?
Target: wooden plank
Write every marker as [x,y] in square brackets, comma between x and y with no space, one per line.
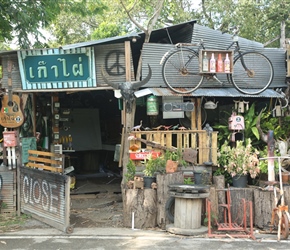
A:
[44,153]
[214,147]
[168,140]
[201,148]
[198,118]
[35,165]
[45,160]
[164,180]
[196,139]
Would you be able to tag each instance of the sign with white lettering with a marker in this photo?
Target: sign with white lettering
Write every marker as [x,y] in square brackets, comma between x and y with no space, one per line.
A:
[57,69]
[45,196]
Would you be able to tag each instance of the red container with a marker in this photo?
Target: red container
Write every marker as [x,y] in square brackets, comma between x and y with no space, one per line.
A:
[9,139]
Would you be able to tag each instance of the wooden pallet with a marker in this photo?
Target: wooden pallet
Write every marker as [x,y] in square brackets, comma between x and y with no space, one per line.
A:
[46,160]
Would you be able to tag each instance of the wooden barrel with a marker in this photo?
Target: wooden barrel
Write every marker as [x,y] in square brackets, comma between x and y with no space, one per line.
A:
[187,213]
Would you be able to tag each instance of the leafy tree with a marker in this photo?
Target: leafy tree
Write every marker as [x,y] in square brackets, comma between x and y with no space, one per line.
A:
[77,23]
[22,19]
[258,20]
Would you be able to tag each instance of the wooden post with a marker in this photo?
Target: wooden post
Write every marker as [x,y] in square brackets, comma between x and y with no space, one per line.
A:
[163,181]
[142,204]
[219,182]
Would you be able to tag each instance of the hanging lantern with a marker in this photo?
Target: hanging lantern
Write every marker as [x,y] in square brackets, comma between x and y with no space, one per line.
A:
[152,105]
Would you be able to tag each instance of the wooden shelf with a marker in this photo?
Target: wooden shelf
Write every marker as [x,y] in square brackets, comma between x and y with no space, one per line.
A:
[216,53]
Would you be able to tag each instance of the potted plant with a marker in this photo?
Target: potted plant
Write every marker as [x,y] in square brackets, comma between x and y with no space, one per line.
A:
[173,160]
[240,161]
[152,166]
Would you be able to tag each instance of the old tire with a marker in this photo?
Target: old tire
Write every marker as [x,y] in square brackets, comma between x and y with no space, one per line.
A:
[169,209]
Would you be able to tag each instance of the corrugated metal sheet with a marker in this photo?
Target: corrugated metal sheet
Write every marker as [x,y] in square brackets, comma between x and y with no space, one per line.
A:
[218,92]
[15,74]
[214,39]
[152,54]
[182,31]
[8,191]
[45,195]
[111,57]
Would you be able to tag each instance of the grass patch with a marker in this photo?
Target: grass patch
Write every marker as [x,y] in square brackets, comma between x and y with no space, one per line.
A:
[11,222]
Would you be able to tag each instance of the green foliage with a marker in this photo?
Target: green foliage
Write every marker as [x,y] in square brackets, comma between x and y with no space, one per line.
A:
[213,219]
[153,165]
[175,156]
[9,221]
[3,205]
[251,130]
[131,171]
[263,164]
[280,126]
[188,181]
[258,20]
[240,160]
[25,18]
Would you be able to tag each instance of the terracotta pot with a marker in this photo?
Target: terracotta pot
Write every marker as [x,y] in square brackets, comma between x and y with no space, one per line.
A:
[171,166]
[285,177]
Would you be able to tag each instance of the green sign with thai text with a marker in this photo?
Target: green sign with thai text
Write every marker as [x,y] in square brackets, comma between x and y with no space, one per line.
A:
[57,68]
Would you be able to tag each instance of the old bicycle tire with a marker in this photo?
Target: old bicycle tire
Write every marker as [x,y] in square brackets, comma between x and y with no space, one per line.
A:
[180,70]
[258,77]
[169,209]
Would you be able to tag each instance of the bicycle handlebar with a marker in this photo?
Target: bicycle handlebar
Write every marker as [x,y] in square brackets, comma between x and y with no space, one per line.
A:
[234,30]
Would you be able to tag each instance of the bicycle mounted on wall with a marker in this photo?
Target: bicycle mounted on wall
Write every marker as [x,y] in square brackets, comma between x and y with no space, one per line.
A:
[183,68]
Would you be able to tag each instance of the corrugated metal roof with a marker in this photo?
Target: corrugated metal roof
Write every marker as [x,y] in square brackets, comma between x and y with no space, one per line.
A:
[218,92]
[156,36]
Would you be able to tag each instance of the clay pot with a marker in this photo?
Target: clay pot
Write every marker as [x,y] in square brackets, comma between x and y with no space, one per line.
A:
[171,166]
[285,177]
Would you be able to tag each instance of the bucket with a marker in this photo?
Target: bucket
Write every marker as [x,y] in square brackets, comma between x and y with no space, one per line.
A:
[202,178]
[148,180]
[240,181]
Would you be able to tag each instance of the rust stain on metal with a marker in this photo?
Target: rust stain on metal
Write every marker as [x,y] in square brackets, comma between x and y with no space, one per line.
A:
[45,195]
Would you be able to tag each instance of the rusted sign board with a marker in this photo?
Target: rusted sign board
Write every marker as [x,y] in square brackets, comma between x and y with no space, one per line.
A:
[46,196]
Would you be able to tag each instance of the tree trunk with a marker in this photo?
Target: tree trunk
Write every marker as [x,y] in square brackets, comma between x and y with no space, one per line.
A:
[265,203]
[143,203]
[237,194]
[219,183]
[282,37]
[163,180]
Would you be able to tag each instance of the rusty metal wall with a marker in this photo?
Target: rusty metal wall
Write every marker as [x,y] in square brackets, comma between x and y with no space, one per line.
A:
[15,74]
[8,191]
[111,58]
[46,196]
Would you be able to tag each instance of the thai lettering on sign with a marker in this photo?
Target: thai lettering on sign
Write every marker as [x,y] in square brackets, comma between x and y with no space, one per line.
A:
[56,68]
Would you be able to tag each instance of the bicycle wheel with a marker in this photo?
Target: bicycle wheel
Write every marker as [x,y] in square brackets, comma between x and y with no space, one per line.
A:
[180,71]
[252,73]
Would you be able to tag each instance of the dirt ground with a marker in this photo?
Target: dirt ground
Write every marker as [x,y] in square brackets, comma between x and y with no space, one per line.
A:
[95,202]
[100,210]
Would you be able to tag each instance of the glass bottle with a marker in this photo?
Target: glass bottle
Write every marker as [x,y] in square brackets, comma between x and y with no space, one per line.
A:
[220,64]
[227,64]
[212,64]
[205,62]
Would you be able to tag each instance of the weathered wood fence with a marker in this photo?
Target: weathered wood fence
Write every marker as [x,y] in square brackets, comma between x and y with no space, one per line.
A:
[205,143]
